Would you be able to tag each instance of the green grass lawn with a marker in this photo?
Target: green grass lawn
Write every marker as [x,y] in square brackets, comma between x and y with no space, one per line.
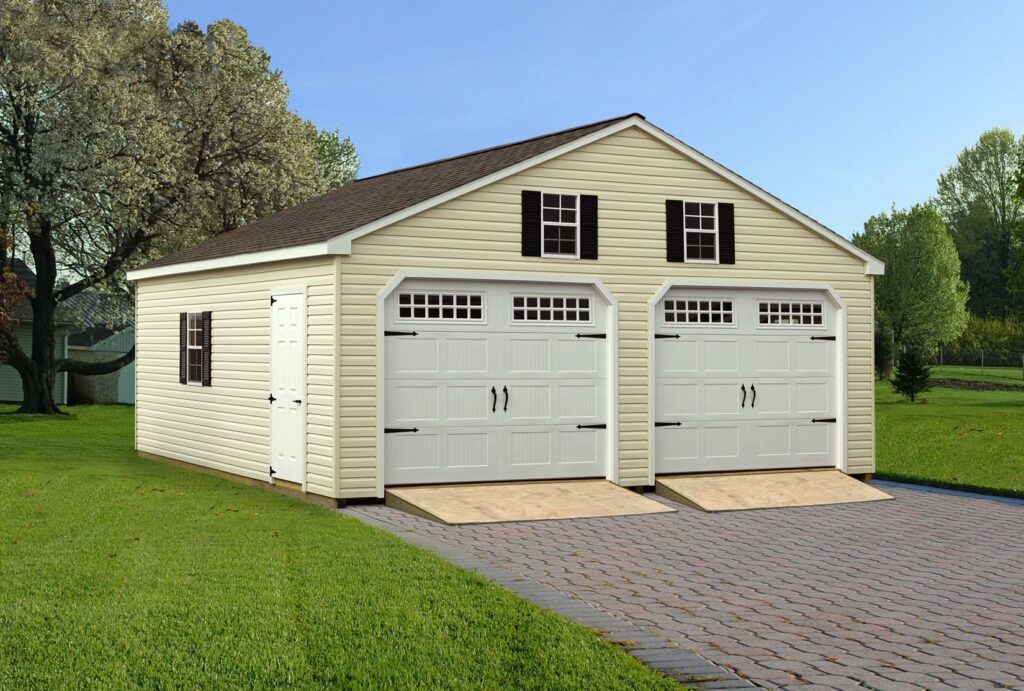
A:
[992,375]
[120,573]
[963,439]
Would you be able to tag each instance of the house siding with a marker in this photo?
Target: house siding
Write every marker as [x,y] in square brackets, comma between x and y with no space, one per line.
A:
[226,426]
[10,381]
[633,174]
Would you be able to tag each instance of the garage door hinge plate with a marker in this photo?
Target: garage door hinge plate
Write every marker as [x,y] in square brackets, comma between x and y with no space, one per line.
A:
[400,333]
[601,426]
[823,338]
[666,335]
[591,336]
[398,430]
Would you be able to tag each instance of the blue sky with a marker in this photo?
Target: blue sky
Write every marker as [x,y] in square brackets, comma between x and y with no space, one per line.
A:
[840,108]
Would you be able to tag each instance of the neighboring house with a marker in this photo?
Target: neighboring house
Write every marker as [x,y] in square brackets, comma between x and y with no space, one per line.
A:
[98,345]
[10,381]
[604,301]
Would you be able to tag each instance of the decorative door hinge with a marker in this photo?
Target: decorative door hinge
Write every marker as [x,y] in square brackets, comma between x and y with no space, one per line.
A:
[272,299]
[271,398]
[823,338]
[400,333]
[591,336]
[398,430]
[601,426]
[272,471]
[668,424]
[823,419]
[666,335]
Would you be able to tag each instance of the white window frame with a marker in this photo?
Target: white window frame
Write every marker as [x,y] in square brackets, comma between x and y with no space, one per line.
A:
[544,253]
[687,232]
[441,320]
[189,348]
[701,325]
[823,326]
[550,322]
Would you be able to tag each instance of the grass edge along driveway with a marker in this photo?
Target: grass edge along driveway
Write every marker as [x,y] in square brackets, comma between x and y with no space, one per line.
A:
[122,572]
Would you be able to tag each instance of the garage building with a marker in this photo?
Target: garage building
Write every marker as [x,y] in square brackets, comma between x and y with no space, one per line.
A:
[601,302]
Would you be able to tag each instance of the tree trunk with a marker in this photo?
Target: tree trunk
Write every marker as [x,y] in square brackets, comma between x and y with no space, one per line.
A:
[38,375]
[37,391]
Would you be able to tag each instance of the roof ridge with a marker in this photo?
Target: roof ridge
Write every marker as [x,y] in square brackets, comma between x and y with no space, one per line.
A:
[503,146]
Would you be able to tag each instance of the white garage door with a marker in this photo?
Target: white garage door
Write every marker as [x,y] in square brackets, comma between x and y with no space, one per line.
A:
[745,380]
[494,381]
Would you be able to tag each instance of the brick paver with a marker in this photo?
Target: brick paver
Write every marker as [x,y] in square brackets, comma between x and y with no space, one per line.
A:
[926,591]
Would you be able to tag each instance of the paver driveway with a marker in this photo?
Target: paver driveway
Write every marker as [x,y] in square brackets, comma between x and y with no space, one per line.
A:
[926,591]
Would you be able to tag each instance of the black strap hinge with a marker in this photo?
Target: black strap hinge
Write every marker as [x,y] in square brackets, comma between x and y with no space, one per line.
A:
[591,336]
[601,426]
[399,430]
[667,424]
[666,335]
[272,299]
[271,398]
[272,471]
[823,338]
[823,419]
[400,333]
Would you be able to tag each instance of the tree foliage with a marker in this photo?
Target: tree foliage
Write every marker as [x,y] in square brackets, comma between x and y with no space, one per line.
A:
[913,374]
[121,140]
[977,198]
[921,297]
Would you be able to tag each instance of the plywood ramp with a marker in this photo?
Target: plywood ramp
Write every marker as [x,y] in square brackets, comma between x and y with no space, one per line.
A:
[768,490]
[521,501]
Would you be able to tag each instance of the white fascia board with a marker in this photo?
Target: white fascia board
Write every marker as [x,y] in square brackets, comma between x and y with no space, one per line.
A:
[872,265]
[300,252]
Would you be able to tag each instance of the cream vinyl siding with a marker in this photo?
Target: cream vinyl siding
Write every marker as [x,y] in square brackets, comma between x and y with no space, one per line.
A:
[225,426]
[632,174]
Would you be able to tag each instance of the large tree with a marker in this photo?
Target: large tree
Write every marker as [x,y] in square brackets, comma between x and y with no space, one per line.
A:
[921,297]
[121,140]
[976,200]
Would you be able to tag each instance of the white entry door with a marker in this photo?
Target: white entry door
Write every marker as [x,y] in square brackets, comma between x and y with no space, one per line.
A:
[744,380]
[288,386]
[493,381]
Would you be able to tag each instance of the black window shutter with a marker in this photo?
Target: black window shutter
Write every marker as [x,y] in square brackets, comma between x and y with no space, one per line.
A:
[588,226]
[183,347]
[206,348]
[531,223]
[726,234]
[675,250]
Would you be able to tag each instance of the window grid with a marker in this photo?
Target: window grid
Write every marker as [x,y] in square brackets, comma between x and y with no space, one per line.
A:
[700,228]
[773,313]
[194,349]
[549,308]
[441,306]
[560,225]
[701,311]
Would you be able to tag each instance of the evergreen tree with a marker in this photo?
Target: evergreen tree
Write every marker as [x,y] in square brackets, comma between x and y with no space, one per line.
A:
[913,374]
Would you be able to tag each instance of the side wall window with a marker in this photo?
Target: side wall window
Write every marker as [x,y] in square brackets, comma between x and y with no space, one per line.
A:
[194,346]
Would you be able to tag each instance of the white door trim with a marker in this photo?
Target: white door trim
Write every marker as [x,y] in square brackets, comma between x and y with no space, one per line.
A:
[300,290]
[612,469]
[841,331]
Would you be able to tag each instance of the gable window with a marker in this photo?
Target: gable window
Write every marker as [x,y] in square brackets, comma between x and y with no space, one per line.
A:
[700,227]
[560,226]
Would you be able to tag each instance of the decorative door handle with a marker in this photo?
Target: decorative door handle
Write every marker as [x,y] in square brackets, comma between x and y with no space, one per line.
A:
[494,402]
[754,399]
[743,388]
[505,390]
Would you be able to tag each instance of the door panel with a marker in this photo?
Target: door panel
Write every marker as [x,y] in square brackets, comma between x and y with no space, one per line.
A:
[494,399]
[745,392]
[288,387]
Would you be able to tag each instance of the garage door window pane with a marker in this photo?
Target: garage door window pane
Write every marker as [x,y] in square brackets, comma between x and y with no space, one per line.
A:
[790,314]
[550,308]
[436,306]
[699,312]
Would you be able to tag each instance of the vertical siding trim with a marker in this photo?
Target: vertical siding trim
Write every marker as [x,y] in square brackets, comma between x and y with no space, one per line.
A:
[336,374]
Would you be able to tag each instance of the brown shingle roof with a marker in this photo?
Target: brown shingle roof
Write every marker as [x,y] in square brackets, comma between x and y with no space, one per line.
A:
[366,200]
